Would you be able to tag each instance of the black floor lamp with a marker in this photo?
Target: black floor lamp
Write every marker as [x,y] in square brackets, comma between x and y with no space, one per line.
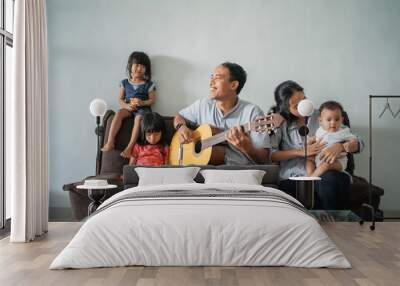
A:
[98,108]
[305,185]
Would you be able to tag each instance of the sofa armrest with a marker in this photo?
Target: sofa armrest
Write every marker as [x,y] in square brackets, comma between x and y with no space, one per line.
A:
[112,178]
[79,197]
[101,132]
[360,182]
[359,194]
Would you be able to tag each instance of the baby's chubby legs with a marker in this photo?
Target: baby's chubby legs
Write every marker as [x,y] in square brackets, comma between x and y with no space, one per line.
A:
[135,133]
[310,165]
[324,167]
[115,126]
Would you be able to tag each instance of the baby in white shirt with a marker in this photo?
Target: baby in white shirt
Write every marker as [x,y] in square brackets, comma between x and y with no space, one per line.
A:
[331,131]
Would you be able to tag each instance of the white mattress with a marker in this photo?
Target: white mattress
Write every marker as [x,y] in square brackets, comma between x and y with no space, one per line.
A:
[200,231]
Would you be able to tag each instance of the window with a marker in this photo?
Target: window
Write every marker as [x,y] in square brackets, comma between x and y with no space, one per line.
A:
[9,18]
[6,44]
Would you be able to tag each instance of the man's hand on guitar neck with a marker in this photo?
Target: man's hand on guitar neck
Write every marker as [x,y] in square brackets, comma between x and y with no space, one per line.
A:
[185,134]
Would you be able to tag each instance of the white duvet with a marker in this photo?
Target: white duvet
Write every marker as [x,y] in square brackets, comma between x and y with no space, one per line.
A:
[200,231]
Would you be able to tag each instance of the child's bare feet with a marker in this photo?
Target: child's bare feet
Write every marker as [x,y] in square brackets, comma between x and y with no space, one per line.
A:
[108,147]
[127,152]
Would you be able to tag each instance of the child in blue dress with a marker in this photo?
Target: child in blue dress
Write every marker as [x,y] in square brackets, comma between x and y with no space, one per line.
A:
[137,94]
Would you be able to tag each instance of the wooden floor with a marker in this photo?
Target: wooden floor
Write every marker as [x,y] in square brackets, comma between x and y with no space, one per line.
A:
[375,257]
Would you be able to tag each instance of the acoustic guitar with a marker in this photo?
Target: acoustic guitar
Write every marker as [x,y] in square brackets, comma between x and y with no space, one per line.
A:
[203,150]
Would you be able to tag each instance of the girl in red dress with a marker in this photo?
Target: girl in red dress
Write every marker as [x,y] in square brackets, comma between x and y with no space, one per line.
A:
[151,148]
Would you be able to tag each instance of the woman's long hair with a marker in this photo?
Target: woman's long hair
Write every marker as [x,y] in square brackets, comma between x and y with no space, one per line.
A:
[283,93]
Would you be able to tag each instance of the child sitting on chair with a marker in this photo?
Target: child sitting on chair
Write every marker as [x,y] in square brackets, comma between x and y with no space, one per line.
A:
[137,94]
[151,148]
[331,131]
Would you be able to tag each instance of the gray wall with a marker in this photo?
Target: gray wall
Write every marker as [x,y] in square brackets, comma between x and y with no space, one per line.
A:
[342,50]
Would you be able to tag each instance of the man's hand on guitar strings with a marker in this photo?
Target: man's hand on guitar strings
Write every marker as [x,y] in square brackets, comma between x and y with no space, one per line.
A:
[185,134]
[239,139]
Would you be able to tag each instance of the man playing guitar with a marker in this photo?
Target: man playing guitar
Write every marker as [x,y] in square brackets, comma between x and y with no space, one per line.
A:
[225,110]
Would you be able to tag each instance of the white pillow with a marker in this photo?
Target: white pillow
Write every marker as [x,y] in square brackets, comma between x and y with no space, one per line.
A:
[249,177]
[166,176]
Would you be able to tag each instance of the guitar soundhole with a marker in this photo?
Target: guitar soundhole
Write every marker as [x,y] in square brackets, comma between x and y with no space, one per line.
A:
[197,147]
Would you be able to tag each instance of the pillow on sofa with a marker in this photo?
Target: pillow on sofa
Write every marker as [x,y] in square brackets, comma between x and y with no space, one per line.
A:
[166,176]
[248,177]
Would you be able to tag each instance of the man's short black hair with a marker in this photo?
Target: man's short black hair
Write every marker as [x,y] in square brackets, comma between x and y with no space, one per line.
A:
[236,73]
[331,105]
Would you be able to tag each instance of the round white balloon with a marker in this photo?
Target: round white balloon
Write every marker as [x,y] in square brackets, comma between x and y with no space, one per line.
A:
[305,107]
[98,107]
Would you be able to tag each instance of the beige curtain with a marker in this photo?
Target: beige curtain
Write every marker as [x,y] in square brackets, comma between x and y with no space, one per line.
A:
[29,123]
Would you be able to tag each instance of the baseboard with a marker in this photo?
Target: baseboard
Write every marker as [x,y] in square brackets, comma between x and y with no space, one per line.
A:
[61,214]
[392,214]
[5,231]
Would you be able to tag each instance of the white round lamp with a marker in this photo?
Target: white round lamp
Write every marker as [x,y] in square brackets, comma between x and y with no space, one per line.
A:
[98,107]
[305,107]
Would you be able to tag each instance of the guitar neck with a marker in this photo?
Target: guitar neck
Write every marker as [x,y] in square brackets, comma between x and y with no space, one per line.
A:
[220,137]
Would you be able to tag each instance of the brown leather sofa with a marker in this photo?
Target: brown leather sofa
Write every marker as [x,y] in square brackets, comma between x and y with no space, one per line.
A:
[109,165]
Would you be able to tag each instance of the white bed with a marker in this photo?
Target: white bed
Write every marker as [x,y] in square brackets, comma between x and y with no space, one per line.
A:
[250,225]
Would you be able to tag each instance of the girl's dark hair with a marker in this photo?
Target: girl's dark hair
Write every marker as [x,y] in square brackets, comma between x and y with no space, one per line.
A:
[152,122]
[331,105]
[141,59]
[283,93]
